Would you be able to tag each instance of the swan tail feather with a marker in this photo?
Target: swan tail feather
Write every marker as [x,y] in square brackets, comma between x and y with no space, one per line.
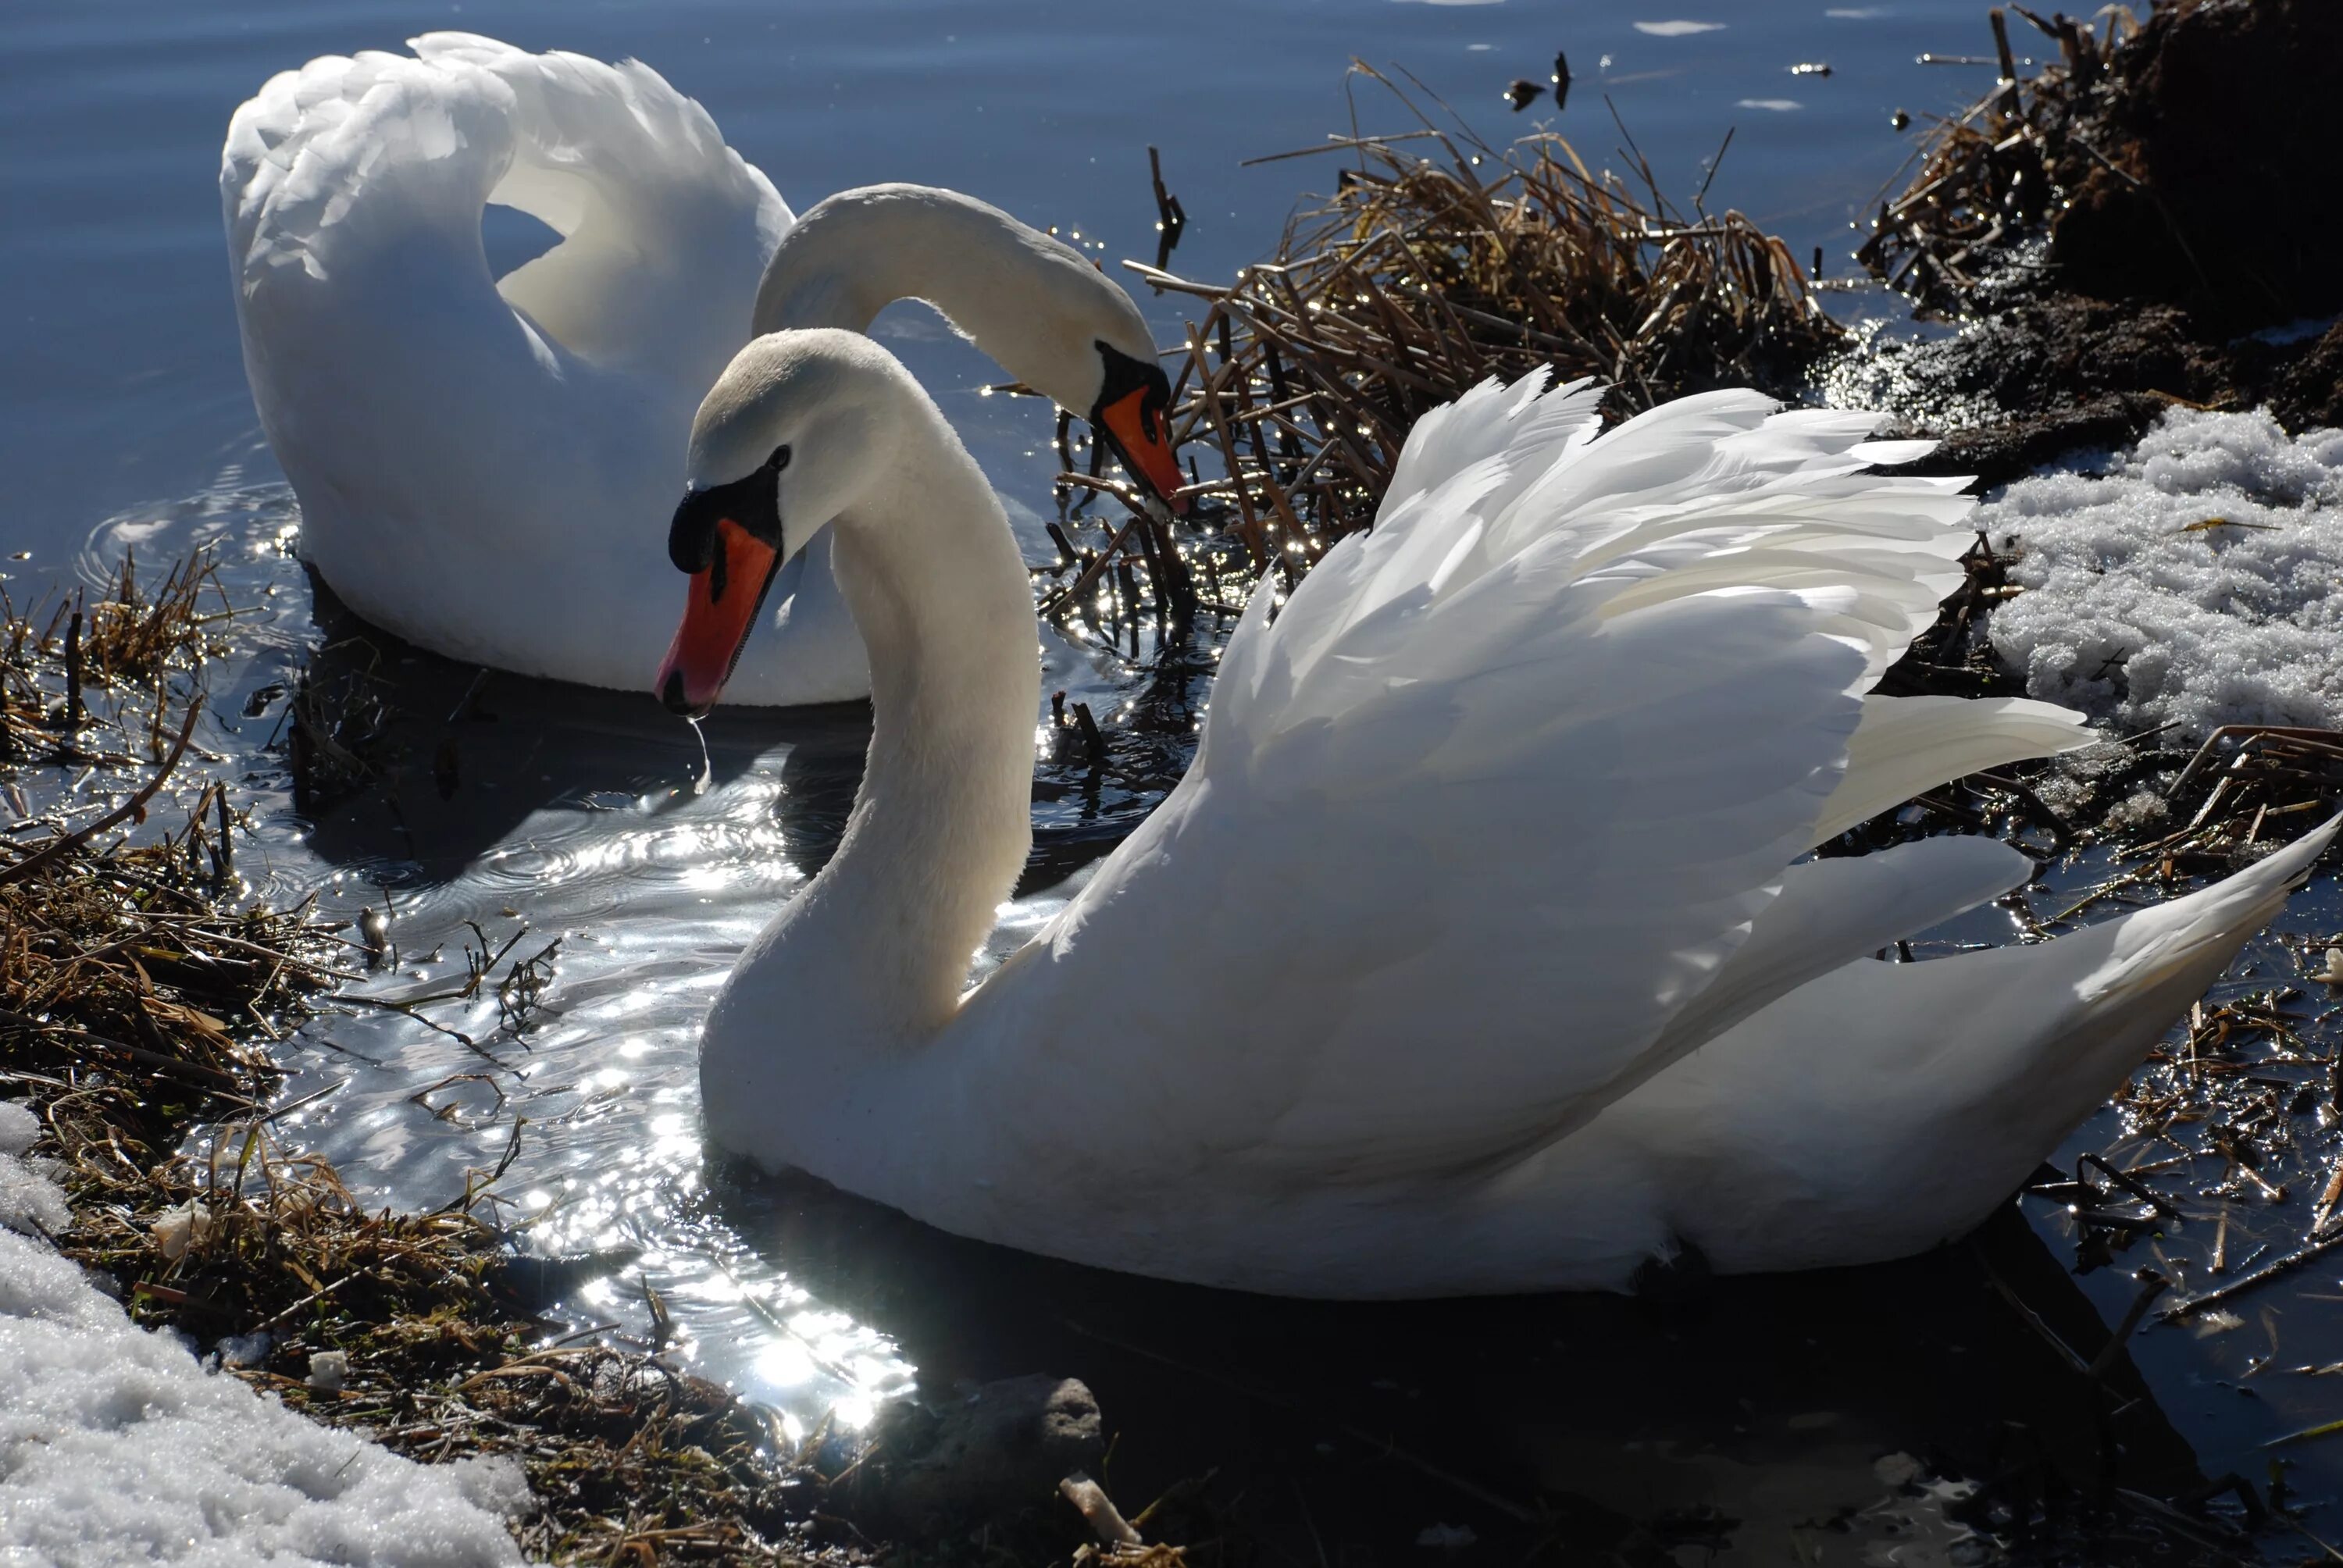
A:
[2168,938]
[637,179]
[1967,1070]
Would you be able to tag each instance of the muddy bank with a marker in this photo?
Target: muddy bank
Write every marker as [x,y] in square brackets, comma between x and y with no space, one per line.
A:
[2041,377]
[2140,225]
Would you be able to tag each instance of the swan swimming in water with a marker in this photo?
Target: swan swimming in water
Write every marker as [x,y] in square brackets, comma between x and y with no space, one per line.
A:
[474,455]
[1479,950]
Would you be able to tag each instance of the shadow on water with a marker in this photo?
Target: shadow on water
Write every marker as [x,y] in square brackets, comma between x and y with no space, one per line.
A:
[1907,1413]
[456,759]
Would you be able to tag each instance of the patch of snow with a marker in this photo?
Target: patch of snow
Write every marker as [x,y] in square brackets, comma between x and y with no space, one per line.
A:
[176,1227]
[19,1127]
[1678,29]
[1898,1469]
[2139,813]
[116,1446]
[29,1202]
[2198,580]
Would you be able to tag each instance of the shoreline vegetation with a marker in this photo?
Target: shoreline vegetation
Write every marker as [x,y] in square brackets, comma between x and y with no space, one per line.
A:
[2124,232]
[139,992]
[141,987]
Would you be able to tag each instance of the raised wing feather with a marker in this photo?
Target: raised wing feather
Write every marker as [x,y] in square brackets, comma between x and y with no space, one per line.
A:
[353,174]
[1500,791]
[662,223]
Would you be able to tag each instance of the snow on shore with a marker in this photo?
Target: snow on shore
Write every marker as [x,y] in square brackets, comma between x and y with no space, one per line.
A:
[2199,579]
[117,1447]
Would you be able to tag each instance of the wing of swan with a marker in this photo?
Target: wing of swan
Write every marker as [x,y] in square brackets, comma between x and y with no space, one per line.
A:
[1510,780]
[1494,963]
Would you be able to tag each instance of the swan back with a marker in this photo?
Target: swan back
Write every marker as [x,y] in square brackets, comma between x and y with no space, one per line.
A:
[660,219]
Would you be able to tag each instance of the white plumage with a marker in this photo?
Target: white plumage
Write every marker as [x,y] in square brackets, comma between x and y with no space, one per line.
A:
[486,466]
[1475,953]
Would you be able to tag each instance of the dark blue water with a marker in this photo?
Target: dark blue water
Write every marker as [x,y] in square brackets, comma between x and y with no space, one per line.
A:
[124,383]
[1830,1419]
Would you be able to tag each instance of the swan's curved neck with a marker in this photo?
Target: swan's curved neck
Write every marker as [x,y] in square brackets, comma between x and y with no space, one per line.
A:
[859,251]
[884,934]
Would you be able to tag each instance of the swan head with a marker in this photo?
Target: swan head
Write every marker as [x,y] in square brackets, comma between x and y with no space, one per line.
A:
[783,444]
[1134,413]
[1078,339]
[1039,306]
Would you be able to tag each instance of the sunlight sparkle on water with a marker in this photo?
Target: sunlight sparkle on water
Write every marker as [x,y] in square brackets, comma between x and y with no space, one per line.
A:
[786,1363]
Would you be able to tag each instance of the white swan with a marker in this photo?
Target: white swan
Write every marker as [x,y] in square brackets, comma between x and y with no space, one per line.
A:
[474,455]
[1475,952]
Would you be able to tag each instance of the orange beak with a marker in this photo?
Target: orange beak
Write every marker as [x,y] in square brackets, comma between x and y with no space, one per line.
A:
[717,619]
[1141,439]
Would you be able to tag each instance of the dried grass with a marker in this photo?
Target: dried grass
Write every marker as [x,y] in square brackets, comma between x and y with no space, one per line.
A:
[136,998]
[630,1460]
[129,962]
[2251,787]
[1985,178]
[1439,262]
[125,643]
[1424,275]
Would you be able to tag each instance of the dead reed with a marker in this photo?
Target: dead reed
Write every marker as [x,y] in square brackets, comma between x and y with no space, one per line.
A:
[1990,176]
[2224,1164]
[126,967]
[1442,261]
[2252,786]
[125,643]
[131,966]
